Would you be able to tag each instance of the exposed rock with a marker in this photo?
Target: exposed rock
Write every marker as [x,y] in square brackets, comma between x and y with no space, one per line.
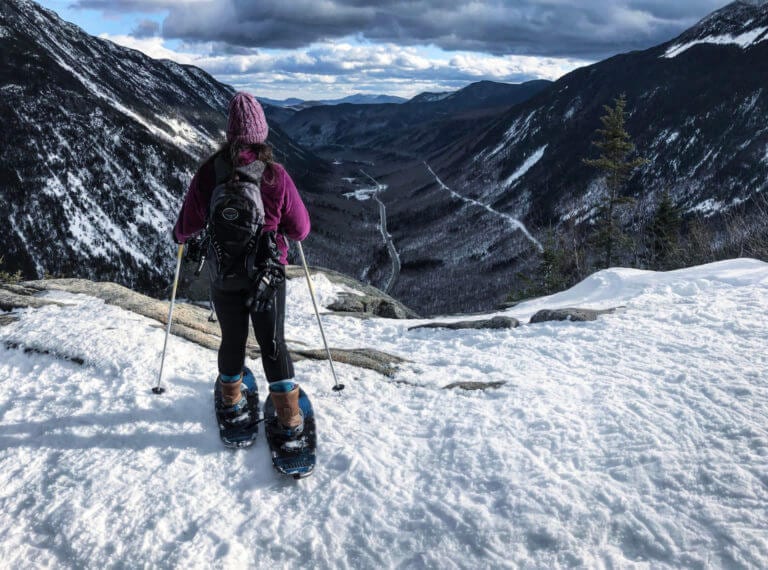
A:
[371,359]
[569,314]
[7,319]
[191,322]
[372,300]
[17,289]
[374,306]
[474,385]
[9,299]
[493,323]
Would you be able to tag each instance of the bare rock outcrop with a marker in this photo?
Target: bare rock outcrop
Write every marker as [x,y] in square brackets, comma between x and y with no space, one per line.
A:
[492,323]
[569,314]
[189,321]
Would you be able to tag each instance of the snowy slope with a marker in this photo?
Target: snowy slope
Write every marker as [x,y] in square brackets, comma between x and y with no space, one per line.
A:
[636,441]
[99,145]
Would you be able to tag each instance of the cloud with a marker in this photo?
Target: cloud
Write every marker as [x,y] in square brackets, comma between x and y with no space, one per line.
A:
[122,6]
[146,29]
[329,69]
[326,48]
[582,28]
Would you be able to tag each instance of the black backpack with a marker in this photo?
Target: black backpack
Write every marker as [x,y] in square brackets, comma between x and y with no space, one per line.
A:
[235,223]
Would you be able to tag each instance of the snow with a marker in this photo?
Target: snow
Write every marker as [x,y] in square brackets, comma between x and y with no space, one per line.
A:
[708,207]
[434,97]
[514,134]
[635,441]
[743,40]
[514,222]
[525,167]
[181,140]
[362,193]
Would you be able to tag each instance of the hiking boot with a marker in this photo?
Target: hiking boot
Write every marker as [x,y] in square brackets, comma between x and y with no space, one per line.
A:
[286,403]
[234,405]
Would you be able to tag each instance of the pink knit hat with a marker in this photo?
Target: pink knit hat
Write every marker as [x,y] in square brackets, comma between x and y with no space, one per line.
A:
[246,123]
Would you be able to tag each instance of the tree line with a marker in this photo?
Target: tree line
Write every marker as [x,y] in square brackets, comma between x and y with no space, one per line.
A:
[619,235]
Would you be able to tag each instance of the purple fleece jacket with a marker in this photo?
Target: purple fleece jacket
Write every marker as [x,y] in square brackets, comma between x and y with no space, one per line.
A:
[283,209]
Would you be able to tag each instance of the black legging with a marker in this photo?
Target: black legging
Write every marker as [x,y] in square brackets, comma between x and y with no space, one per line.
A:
[267,326]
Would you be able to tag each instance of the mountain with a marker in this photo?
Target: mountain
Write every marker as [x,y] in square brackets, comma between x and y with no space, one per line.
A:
[356,99]
[470,210]
[364,99]
[635,441]
[99,145]
[694,108]
[281,102]
[356,126]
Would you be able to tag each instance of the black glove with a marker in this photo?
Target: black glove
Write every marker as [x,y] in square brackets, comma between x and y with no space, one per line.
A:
[263,293]
[173,237]
[195,251]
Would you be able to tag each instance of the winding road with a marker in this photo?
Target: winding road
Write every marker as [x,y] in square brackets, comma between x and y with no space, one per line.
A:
[393,253]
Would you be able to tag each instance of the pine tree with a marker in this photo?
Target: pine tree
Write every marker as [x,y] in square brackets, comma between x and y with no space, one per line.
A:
[614,142]
[665,232]
[552,265]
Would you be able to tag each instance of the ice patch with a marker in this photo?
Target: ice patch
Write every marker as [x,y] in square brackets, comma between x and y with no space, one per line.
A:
[177,141]
[514,133]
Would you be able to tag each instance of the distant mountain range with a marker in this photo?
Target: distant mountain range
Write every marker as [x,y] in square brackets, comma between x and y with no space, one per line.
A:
[356,99]
[380,126]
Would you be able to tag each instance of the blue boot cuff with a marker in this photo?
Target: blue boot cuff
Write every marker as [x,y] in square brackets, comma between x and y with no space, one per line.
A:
[229,377]
[282,386]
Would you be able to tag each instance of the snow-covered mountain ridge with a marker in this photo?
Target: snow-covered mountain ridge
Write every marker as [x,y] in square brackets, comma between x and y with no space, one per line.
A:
[693,110]
[96,147]
[635,441]
[737,24]
[100,143]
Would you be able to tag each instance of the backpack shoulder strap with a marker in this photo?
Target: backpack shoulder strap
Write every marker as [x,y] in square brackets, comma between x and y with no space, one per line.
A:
[222,167]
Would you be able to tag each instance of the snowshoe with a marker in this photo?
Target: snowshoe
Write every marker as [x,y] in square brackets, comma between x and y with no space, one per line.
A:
[292,450]
[238,424]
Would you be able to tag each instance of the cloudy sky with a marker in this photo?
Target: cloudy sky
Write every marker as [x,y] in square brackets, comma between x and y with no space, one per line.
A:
[316,49]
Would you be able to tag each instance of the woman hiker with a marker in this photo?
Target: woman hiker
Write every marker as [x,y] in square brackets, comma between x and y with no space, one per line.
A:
[284,213]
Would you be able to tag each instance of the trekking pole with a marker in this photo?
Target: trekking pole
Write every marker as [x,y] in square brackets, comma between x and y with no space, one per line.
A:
[337,387]
[157,389]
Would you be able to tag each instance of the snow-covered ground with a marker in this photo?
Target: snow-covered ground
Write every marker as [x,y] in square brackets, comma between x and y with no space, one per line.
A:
[636,441]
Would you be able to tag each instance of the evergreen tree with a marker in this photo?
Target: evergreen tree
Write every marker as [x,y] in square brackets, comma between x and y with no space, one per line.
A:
[614,142]
[552,266]
[665,233]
